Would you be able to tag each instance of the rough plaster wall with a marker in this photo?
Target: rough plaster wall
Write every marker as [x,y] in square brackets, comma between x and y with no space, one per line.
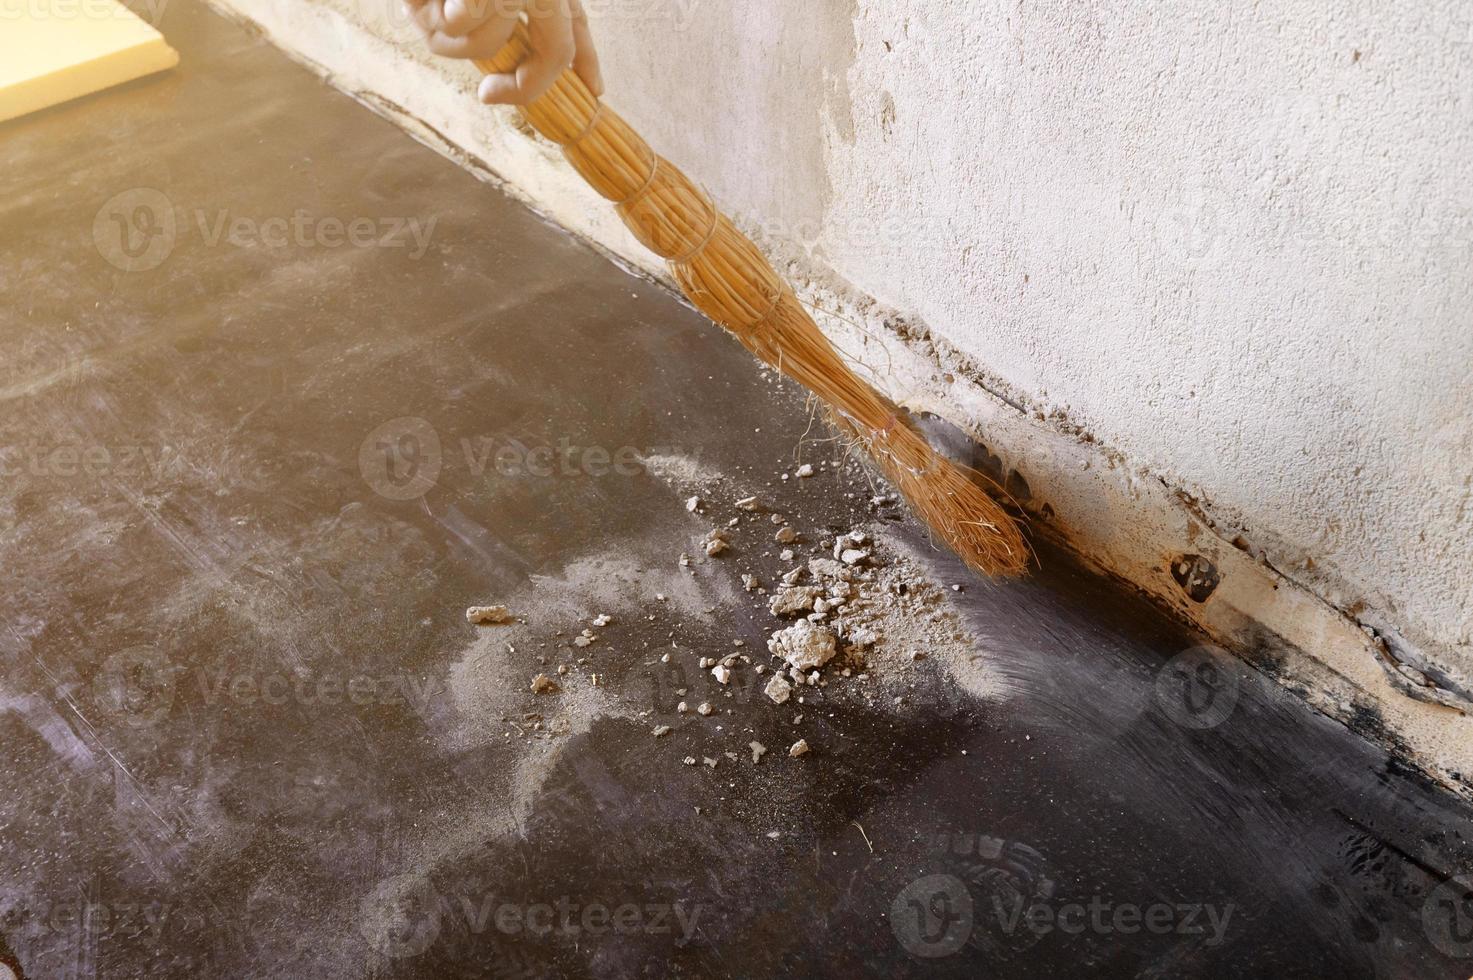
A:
[1231,242]
[1220,256]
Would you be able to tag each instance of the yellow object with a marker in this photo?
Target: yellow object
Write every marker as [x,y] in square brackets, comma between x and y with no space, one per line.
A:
[52,51]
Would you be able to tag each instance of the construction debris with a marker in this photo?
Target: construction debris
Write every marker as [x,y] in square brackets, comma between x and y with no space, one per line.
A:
[778,689]
[704,708]
[748,503]
[794,599]
[804,645]
[800,747]
[785,535]
[488,615]
[661,730]
[542,684]
[758,750]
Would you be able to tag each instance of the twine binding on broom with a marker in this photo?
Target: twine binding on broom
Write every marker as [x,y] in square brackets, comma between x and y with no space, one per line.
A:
[727,278]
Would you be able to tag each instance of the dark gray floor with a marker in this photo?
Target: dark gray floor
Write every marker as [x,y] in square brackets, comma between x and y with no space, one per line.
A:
[245,730]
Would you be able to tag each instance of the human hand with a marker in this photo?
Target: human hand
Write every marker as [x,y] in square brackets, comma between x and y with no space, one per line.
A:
[479,29]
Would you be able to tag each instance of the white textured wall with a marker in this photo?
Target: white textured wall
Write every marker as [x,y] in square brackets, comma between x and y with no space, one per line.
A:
[1232,244]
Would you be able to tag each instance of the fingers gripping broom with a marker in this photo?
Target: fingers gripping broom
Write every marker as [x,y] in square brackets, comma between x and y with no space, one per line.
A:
[727,278]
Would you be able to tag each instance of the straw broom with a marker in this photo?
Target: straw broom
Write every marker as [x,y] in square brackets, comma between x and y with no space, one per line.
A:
[727,278]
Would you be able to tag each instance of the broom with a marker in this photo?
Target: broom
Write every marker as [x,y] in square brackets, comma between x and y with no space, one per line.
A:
[726,277]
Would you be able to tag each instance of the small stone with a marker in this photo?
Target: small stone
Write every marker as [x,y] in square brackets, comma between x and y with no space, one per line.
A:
[682,708]
[693,504]
[684,560]
[709,761]
[791,578]
[761,668]
[800,747]
[785,535]
[562,668]
[705,709]
[805,471]
[751,583]
[778,689]
[488,615]
[659,597]
[708,662]
[793,600]
[582,641]
[786,554]
[956,588]
[542,684]
[602,619]
[821,606]
[758,750]
[825,568]
[715,547]
[690,760]
[661,730]
[665,659]
[854,556]
[861,639]
[721,673]
[917,655]
[748,503]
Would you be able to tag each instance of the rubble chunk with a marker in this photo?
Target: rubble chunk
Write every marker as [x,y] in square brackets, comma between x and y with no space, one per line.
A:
[793,600]
[785,535]
[758,750]
[748,503]
[488,615]
[661,730]
[778,689]
[704,708]
[800,747]
[804,645]
[542,684]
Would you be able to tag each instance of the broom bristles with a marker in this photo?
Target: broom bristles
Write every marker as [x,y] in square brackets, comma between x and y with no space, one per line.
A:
[727,278]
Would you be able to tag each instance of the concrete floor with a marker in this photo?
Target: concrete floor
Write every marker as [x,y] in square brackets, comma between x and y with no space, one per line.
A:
[246,731]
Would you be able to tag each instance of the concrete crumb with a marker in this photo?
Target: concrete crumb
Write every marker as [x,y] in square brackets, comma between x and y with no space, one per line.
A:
[758,750]
[488,615]
[804,645]
[542,684]
[778,689]
[800,747]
